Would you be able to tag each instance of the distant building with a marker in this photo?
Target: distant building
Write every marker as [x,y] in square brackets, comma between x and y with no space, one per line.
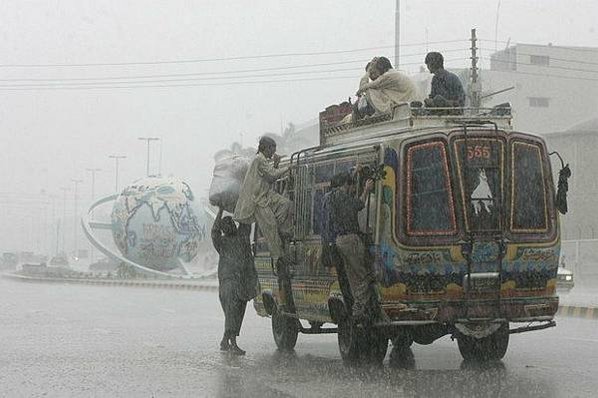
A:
[556,95]
[555,87]
[579,226]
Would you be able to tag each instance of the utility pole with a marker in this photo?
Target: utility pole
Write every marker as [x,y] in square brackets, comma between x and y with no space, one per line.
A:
[93,198]
[397,33]
[116,159]
[75,217]
[93,182]
[160,161]
[44,230]
[64,191]
[496,27]
[148,140]
[54,221]
[476,86]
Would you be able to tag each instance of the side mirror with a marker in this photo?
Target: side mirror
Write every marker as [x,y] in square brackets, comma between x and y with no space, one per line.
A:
[562,186]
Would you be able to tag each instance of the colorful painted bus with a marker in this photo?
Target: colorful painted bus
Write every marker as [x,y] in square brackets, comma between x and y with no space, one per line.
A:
[462,228]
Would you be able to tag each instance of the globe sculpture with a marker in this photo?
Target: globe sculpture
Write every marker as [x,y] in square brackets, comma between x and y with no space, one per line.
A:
[154,224]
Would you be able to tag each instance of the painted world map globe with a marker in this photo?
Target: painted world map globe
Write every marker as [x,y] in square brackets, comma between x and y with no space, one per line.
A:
[155,224]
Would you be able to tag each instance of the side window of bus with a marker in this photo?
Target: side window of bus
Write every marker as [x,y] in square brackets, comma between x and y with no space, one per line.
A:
[343,166]
[303,200]
[259,241]
[529,211]
[323,175]
[429,201]
[317,184]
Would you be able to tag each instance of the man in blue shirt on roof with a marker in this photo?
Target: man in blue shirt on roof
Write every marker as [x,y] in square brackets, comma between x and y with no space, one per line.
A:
[447,90]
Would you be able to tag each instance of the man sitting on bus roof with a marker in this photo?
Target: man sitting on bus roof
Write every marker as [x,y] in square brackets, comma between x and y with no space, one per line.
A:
[447,90]
[388,87]
[363,108]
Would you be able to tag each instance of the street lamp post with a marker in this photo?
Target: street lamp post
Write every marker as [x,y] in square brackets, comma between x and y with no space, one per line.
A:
[93,197]
[55,222]
[397,33]
[93,182]
[64,191]
[116,159]
[148,140]
[76,182]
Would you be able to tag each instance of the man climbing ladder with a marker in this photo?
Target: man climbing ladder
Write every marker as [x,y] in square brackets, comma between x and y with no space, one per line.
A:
[258,202]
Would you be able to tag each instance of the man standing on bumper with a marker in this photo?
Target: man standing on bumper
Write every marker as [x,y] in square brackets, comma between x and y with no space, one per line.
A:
[258,202]
[344,209]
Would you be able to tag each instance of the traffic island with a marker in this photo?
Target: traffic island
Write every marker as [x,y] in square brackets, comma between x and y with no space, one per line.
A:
[179,284]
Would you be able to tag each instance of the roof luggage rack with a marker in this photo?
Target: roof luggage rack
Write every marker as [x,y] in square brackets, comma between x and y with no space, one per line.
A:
[404,118]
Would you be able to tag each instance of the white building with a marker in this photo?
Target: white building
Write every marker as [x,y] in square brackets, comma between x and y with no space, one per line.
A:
[552,88]
[555,87]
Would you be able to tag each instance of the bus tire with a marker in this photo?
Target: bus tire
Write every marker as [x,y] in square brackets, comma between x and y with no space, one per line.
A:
[489,348]
[285,330]
[375,346]
[350,341]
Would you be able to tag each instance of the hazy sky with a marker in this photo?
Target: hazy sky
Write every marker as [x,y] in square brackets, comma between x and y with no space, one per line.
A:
[51,135]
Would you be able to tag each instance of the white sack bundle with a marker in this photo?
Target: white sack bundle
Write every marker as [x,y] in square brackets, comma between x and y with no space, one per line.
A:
[229,173]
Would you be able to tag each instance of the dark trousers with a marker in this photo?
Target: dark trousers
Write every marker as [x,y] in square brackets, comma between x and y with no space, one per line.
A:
[359,272]
[233,307]
[343,281]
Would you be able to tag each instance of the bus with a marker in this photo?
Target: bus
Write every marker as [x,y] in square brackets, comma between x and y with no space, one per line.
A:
[461,228]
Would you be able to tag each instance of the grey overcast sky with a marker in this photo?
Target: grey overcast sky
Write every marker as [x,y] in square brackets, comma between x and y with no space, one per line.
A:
[51,135]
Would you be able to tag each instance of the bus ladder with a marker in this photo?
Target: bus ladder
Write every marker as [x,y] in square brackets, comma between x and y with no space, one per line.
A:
[484,235]
[296,194]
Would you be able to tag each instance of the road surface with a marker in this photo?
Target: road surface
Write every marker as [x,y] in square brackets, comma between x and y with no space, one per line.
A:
[70,340]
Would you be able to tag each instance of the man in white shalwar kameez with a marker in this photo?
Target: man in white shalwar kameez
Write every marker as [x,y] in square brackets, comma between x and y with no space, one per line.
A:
[388,86]
[258,202]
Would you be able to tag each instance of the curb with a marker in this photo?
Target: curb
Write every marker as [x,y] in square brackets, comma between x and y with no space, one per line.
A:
[578,312]
[118,282]
[564,310]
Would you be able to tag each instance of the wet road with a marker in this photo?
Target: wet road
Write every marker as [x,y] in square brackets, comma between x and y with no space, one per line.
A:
[66,340]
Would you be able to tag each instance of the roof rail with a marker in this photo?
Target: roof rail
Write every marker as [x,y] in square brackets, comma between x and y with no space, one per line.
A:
[404,118]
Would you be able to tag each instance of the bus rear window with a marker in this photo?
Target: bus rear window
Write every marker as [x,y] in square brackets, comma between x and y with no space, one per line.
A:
[430,208]
[480,165]
[529,213]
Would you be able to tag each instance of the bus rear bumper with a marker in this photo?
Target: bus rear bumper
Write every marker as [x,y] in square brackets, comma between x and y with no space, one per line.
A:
[509,310]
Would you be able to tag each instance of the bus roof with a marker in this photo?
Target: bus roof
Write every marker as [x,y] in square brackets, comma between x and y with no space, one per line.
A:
[405,119]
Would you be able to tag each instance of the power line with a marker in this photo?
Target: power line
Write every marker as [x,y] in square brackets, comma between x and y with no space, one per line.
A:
[142,84]
[101,83]
[184,74]
[75,87]
[361,61]
[237,58]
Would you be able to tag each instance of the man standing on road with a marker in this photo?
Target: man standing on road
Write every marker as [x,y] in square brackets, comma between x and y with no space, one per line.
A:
[272,211]
[344,208]
[237,277]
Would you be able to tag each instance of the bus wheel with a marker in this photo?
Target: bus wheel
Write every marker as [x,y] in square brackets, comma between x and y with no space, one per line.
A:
[284,330]
[375,345]
[350,341]
[489,348]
